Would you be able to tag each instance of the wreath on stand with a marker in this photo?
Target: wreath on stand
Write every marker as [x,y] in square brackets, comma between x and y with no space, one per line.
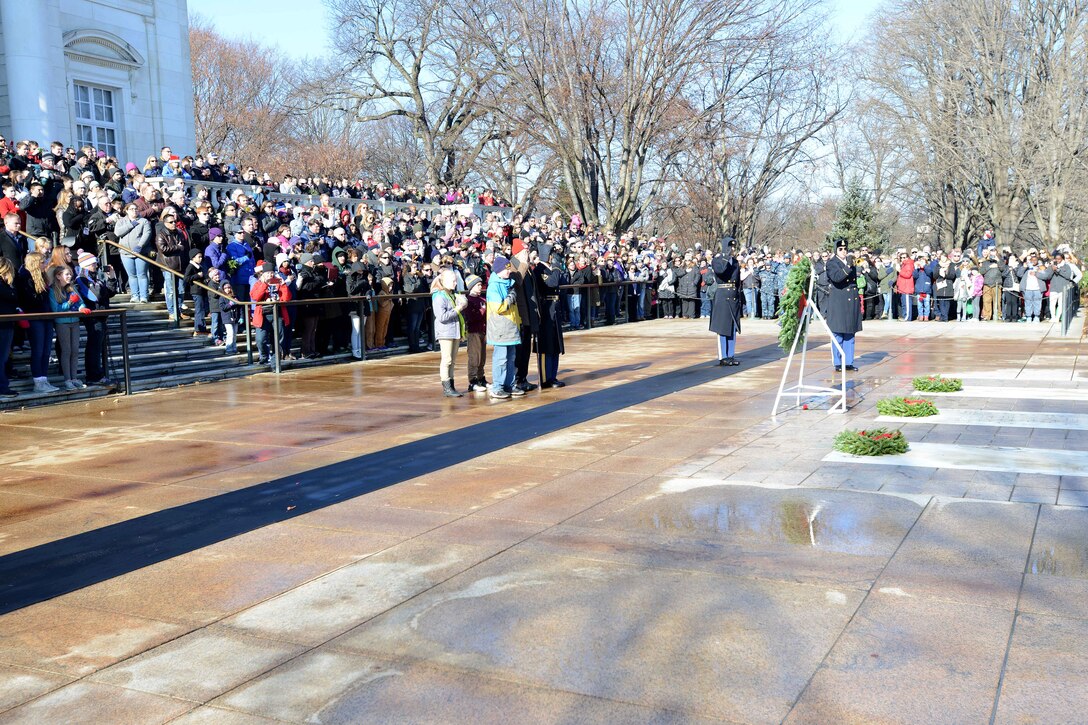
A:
[792,304]
[906,407]
[937,384]
[875,442]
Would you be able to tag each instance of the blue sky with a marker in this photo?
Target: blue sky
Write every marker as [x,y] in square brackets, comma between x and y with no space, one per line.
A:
[304,32]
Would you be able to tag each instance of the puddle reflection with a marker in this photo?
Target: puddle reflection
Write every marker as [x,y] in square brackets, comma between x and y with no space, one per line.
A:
[819,524]
[1065,561]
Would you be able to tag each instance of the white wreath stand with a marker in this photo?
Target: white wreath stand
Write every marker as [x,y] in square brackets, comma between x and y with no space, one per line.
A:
[801,390]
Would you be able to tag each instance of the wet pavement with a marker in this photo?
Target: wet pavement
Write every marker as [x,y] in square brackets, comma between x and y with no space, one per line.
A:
[343,545]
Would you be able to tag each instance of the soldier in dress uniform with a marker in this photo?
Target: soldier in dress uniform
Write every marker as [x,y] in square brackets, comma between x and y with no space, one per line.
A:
[728,302]
[843,305]
[548,275]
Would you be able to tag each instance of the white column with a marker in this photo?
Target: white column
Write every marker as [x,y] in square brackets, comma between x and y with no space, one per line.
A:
[28,46]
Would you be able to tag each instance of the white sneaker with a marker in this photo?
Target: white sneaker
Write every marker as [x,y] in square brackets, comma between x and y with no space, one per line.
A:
[41,385]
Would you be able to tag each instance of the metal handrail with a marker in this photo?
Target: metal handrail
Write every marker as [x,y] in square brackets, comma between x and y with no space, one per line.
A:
[164,268]
[177,310]
[28,316]
[361,299]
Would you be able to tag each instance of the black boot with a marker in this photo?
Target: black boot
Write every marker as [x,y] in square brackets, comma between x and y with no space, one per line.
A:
[448,390]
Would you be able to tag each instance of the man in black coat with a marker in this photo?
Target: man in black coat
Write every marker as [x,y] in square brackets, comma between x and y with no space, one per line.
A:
[843,306]
[528,310]
[728,303]
[549,333]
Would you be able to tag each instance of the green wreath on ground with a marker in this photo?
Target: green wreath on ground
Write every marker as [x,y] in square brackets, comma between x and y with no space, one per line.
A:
[906,407]
[937,384]
[792,302]
[875,442]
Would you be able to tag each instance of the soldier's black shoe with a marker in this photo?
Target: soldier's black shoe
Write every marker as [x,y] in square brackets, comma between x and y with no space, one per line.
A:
[723,362]
[851,368]
[734,362]
[838,368]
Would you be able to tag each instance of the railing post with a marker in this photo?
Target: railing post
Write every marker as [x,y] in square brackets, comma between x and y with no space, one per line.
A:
[168,278]
[362,326]
[589,308]
[249,335]
[124,351]
[276,337]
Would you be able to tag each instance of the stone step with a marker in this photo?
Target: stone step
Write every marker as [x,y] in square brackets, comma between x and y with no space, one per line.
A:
[30,399]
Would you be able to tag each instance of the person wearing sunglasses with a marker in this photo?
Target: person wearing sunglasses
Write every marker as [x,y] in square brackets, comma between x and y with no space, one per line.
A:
[172,250]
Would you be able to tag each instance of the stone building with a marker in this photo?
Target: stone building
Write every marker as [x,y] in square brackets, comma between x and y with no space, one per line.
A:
[112,73]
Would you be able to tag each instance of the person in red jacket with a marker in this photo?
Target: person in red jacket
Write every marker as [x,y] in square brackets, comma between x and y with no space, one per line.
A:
[269,288]
[10,203]
[905,285]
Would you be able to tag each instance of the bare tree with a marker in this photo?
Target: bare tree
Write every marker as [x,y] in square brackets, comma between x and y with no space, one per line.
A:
[411,59]
[989,96]
[610,86]
[518,169]
[240,95]
[392,152]
[780,93]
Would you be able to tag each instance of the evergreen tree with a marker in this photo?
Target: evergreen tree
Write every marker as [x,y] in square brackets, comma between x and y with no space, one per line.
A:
[855,219]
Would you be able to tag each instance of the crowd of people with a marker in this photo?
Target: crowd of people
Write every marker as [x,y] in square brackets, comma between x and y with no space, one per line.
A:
[922,284]
[410,273]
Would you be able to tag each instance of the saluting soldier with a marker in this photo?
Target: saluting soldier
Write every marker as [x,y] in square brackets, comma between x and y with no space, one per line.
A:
[726,311]
[843,305]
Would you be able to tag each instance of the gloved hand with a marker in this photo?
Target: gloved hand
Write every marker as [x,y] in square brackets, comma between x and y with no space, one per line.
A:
[73,298]
[84,310]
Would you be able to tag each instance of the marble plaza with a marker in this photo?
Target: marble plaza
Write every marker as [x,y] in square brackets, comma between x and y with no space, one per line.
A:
[342,545]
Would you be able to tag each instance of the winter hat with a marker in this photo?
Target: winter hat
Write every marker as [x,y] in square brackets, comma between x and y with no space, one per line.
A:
[268,267]
[281,259]
[319,258]
[131,167]
[86,258]
[471,281]
[194,253]
[305,258]
[517,246]
[499,264]
[214,233]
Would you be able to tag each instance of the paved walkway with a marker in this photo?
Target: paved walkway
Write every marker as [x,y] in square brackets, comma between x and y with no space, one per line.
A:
[645,545]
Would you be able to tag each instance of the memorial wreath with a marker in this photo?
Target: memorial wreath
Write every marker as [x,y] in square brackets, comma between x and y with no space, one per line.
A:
[792,304]
[937,384]
[901,407]
[875,442]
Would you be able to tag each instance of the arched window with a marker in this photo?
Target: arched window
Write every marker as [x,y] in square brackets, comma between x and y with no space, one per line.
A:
[100,65]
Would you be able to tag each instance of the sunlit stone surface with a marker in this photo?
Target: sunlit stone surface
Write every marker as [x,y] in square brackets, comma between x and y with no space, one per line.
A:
[344,545]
